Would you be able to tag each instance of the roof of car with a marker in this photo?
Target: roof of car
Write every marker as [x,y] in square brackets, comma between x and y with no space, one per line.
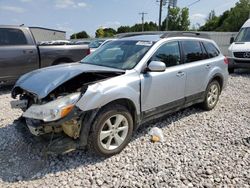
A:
[153,38]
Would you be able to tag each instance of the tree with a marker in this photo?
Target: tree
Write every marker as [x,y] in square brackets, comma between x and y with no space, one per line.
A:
[230,20]
[106,32]
[109,32]
[211,23]
[123,29]
[80,35]
[99,33]
[185,22]
[178,19]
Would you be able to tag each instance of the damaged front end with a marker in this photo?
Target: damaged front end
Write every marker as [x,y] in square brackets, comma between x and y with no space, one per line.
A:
[53,114]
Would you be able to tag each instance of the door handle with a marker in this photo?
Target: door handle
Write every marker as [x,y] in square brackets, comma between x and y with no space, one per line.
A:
[28,51]
[208,66]
[180,74]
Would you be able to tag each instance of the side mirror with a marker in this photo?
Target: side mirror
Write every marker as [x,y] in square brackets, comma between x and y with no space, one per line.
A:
[156,66]
[231,40]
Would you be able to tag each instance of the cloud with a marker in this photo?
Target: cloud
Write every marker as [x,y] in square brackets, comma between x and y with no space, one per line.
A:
[63,4]
[198,16]
[112,24]
[12,9]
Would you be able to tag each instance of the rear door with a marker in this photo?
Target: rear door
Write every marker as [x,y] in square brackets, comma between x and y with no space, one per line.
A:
[197,67]
[17,56]
[162,91]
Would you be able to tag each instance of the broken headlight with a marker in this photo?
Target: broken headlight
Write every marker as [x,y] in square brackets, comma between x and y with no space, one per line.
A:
[53,110]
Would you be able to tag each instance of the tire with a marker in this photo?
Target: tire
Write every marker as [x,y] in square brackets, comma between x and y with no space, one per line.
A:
[108,137]
[231,70]
[211,95]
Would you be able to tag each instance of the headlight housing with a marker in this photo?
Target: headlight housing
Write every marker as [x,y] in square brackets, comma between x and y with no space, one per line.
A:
[53,110]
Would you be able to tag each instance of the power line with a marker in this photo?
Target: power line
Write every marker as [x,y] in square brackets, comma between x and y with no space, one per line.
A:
[193,3]
[142,19]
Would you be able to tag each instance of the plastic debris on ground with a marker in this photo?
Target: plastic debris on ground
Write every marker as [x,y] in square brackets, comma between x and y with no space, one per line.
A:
[156,135]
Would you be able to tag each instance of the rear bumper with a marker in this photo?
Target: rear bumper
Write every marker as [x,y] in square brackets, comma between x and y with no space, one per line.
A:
[238,63]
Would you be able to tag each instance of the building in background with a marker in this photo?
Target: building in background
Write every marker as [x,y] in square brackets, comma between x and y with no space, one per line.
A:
[45,34]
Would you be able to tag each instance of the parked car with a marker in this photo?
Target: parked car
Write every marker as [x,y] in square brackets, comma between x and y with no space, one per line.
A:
[82,42]
[20,54]
[100,101]
[98,43]
[239,50]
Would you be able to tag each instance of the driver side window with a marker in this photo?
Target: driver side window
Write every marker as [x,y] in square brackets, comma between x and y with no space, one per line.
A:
[168,53]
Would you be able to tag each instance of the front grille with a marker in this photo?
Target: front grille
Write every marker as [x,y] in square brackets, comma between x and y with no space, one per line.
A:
[242,54]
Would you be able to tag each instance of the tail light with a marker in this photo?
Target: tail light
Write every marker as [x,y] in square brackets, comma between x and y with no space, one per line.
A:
[226,60]
[88,51]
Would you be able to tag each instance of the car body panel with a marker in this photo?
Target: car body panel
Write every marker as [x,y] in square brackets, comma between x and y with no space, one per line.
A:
[104,92]
[160,88]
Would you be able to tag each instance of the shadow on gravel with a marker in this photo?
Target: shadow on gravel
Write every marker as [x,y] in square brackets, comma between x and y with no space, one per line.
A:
[241,72]
[5,89]
[22,160]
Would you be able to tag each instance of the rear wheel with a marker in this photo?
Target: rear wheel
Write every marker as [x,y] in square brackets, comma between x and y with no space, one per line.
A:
[212,95]
[111,131]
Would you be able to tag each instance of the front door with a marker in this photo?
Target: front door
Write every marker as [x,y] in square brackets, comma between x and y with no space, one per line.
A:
[162,91]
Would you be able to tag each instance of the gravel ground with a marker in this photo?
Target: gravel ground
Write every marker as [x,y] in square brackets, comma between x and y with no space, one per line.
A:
[201,149]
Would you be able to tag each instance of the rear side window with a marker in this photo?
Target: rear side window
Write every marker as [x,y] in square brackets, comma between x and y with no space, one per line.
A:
[211,49]
[168,53]
[192,51]
[12,37]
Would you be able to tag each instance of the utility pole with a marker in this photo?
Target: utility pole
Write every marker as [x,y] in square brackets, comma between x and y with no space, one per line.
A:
[160,11]
[142,19]
[167,17]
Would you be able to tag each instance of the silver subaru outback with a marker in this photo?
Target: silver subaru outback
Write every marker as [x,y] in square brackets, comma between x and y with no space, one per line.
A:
[100,101]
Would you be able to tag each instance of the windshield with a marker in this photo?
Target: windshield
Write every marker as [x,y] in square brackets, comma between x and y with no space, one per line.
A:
[244,35]
[96,43]
[119,54]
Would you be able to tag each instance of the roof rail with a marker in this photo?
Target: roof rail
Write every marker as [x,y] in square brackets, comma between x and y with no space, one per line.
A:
[185,34]
[164,34]
[132,34]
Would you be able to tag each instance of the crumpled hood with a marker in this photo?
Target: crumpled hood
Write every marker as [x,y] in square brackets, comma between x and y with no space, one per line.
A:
[42,81]
[240,47]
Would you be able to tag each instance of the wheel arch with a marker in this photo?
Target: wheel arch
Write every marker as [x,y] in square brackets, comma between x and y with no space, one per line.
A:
[62,60]
[128,104]
[218,77]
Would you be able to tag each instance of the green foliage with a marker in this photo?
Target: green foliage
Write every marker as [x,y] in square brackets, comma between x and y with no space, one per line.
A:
[123,29]
[178,20]
[148,26]
[230,20]
[80,35]
[107,32]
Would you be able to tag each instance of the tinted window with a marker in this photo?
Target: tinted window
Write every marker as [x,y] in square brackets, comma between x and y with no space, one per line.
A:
[192,51]
[168,53]
[12,37]
[211,49]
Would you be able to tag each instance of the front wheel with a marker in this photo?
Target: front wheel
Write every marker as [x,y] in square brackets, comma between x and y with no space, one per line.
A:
[111,131]
[212,95]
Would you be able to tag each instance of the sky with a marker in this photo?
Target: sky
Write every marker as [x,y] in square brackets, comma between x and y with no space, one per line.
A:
[89,15]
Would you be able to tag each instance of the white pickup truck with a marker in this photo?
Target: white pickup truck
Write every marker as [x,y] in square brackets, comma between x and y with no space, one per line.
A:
[239,50]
